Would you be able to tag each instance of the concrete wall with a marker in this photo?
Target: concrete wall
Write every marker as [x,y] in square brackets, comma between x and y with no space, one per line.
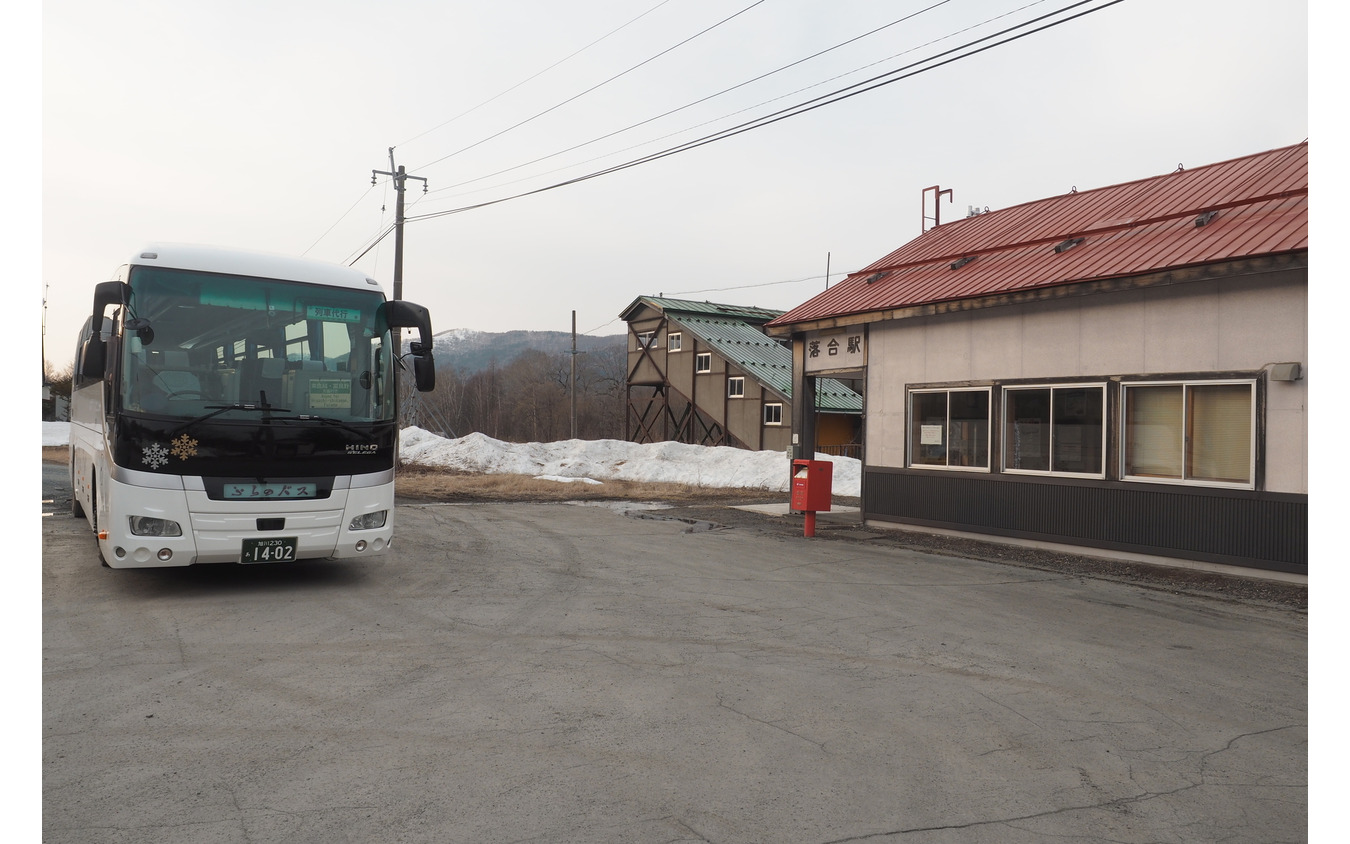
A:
[1234,324]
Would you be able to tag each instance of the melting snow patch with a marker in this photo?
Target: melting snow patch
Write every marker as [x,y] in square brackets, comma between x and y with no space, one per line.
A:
[621,506]
[560,479]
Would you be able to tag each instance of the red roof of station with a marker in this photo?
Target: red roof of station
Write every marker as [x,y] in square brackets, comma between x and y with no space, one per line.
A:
[1257,206]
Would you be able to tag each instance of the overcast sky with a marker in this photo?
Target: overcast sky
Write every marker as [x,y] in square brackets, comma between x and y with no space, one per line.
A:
[257,123]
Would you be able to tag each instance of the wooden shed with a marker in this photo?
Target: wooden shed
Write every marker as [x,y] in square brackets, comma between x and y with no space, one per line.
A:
[707,374]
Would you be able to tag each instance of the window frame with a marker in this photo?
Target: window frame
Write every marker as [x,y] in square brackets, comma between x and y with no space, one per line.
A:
[1253,433]
[675,341]
[736,380]
[778,405]
[700,359]
[910,441]
[1003,440]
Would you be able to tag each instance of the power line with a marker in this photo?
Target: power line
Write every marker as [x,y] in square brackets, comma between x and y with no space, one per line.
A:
[339,219]
[738,111]
[592,88]
[536,75]
[839,95]
[759,78]
[749,286]
[381,236]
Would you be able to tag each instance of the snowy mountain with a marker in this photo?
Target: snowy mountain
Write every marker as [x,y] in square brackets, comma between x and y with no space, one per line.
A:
[468,351]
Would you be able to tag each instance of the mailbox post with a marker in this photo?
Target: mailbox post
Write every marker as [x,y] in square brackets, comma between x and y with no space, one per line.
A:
[811,489]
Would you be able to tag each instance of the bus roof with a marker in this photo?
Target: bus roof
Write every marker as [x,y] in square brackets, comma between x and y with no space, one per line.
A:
[215,259]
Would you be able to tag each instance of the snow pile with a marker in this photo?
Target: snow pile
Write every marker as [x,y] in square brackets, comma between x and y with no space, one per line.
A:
[55,433]
[665,462]
[596,461]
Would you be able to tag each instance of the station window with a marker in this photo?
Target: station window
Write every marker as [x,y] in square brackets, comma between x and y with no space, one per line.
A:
[703,362]
[1201,433]
[675,341]
[773,413]
[736,387]
[1055,429]
[949,428]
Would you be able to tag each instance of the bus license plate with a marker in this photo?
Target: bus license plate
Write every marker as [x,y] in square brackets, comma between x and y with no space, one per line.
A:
[278,550]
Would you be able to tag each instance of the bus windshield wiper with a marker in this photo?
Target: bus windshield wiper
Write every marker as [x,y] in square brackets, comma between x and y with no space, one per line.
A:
[327,420]
[216,410]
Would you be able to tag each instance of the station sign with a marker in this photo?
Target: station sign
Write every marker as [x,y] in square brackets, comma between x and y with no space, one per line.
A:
[830,351]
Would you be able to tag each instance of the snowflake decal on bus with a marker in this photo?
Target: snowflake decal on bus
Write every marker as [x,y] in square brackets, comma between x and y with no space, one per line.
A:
[184,447]
[156,455]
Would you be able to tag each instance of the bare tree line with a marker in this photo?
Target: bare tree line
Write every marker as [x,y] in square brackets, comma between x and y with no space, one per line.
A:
[528,399]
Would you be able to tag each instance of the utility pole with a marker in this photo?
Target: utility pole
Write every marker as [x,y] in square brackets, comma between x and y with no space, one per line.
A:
[44,333]
[574,375]
[400,178]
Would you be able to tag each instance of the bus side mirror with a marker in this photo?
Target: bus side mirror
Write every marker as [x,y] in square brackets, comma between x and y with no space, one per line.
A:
[93,358]
[424,372]
[94,351]
[401,314]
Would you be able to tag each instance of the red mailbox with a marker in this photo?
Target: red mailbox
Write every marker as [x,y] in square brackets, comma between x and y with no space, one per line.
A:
[811,489]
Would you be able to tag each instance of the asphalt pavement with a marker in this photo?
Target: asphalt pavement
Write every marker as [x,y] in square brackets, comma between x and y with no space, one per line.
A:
[560,673]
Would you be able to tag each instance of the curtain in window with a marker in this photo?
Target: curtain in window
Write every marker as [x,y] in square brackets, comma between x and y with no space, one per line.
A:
[1219,432]
[1153,431]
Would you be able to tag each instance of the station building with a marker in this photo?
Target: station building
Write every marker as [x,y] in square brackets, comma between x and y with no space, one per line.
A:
[1120,368]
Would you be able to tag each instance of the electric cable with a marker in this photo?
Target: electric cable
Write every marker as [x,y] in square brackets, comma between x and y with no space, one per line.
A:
[339,220]
[749,286]
[705,99]
[839,95]
[536,75]
[373,244]
[592,88]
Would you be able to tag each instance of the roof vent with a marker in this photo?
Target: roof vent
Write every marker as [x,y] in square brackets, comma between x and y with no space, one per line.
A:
[877,276]
[150,256]
[956,265]
[1066,245]
[1205,218]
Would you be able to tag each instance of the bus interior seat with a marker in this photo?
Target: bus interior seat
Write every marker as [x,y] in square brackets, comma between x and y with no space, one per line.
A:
[263,375]
[175,379]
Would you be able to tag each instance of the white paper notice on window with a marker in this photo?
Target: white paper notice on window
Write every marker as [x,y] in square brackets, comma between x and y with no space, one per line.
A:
[930,435]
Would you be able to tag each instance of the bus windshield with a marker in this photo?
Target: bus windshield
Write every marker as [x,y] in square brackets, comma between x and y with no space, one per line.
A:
[197,343]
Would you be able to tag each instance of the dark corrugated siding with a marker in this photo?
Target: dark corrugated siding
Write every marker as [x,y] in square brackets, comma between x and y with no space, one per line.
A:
[1257,530]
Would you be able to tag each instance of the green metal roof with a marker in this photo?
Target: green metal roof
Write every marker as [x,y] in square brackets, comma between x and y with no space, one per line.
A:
[735,331]
[687,306]
[764,359]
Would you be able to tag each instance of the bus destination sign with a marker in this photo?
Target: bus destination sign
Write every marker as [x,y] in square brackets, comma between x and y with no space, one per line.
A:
[262,492]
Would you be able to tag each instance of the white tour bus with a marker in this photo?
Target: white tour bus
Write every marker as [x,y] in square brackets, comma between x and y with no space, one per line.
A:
[233,407]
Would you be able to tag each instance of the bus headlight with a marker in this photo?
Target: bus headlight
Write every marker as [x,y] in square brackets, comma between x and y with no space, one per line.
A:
[369,521]
[149,526]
